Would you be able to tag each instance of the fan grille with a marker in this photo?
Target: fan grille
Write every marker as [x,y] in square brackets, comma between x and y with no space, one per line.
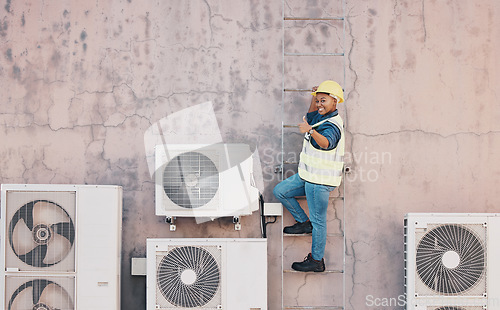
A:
[41,294]
[450,259]
[189,277]
[191,180]
[41,233]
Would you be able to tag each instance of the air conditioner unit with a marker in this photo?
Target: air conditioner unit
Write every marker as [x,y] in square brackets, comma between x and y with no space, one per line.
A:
[207,274]
[451,261]
[204,180]
[60,247]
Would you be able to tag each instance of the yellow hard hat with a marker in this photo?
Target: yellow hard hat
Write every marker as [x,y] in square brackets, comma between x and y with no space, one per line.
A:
[332,88]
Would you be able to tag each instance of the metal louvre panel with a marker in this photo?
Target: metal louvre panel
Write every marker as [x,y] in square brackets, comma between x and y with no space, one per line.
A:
[241,263]
[191,179]
[189,276]
[204,181]
[25,292]
[40,231]
[467,279]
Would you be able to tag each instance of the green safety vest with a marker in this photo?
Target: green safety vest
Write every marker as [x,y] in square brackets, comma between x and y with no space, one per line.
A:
[323,166]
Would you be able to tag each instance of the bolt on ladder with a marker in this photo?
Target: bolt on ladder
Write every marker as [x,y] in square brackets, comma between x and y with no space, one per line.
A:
[287,273]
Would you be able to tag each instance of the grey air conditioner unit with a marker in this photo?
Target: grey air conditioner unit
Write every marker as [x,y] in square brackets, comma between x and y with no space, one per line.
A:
[60,247]
[206,274]
[451,260]
[206,181]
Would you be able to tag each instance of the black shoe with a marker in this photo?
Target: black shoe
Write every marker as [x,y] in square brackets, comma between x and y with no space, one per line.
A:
[299,228]
[310,264]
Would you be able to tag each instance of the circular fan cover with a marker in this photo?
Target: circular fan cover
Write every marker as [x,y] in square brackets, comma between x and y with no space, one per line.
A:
[190,180]
[41,233]
[40,294]
[450,259]
[188,277]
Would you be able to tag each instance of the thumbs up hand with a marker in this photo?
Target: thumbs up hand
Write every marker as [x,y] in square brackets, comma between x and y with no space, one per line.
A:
[304,126]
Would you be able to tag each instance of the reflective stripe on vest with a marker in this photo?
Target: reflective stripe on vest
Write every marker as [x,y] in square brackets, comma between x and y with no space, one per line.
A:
[323,166]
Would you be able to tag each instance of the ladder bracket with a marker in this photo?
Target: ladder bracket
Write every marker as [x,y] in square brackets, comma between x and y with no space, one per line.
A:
[171,221]
[237,223]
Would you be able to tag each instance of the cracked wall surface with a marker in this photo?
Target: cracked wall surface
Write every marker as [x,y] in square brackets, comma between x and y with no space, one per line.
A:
[423,128]
[82,81]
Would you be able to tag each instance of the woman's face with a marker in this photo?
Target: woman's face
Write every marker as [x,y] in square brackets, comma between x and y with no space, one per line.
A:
[325,103]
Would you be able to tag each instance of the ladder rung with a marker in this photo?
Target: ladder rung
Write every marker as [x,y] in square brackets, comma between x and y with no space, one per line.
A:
[297,90]
[312,18]
[290,126]
[324,272]
[314,54]
[314,307]
[304,197]
[306,235]
[290,163]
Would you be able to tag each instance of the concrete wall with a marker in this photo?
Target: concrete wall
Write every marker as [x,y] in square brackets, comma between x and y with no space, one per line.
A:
[82,82]
[423,78]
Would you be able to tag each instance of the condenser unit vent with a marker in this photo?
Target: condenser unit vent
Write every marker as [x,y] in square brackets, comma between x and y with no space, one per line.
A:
[206,274]
[41,233]
[190,276]
[204,180]
[191,179]
[40,293]
[451,260]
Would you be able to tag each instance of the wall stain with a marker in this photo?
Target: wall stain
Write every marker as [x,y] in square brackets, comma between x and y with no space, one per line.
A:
[16,72]
[83,36]
[7,6]
[3,28]
[56,58]
[8,54]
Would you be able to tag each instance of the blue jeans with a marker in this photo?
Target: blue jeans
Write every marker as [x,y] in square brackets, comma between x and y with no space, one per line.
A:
[317,201]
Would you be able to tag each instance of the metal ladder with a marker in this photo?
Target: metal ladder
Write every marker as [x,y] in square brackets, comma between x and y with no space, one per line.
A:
[286,272]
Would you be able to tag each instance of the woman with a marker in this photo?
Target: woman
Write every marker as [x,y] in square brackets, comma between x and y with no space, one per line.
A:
[320,171]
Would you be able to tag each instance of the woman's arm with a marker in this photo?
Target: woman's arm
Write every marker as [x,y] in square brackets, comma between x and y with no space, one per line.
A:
[313,106]
[319,138]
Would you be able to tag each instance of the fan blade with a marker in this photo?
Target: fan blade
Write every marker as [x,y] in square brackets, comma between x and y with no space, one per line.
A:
[26,213]
[56,297]
[57,249]
[48,213]
[22,300]
[22,238]
[35,257]
[38,286]
[65,229]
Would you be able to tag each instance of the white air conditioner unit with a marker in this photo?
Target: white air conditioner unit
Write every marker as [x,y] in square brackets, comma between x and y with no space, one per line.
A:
[204,180]
[60,247]
[207,274]
[451,261]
